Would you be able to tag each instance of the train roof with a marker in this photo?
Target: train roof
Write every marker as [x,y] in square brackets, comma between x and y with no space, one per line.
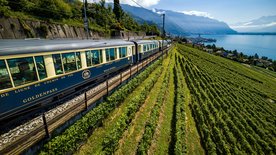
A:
[13,47]
[145,41]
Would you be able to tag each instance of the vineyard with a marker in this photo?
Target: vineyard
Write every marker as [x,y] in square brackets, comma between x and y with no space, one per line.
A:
[233,105]
[189,102]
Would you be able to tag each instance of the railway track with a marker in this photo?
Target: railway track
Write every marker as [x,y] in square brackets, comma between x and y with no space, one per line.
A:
[23,137]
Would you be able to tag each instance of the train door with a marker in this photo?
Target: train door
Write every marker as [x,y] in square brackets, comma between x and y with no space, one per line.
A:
[135,53]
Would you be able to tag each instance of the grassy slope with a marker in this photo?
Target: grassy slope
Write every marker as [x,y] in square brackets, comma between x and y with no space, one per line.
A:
[250,90]
[94,143]
[264,71]
[255,79]
[267,85]
[162,138]
[132,136]
[194,146]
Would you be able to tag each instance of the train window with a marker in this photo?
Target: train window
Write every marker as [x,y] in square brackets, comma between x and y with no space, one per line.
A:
[40,65]
[110,54]
[5,81]
[78,58]
[58,64]
[148,48]
[122,52]
[88,58]
[97,57]
[69,62]
[22,70]
[144,48]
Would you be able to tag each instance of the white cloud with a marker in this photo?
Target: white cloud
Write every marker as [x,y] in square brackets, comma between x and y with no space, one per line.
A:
[158,12]
[144,3]
[247,25]
[197,13]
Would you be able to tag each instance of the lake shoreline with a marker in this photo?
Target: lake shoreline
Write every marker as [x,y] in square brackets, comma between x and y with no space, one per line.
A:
[263,45]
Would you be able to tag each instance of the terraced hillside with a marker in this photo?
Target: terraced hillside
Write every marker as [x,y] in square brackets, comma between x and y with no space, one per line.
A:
[233,105]
[189,103]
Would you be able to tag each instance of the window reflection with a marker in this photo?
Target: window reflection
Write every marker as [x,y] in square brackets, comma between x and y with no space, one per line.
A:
[122,52]
[69,62]
[58,64]
[96,57]
[144,48]
[78,58]
[22,70]
[110,54]
[88,58]
[41,67]
[5,81]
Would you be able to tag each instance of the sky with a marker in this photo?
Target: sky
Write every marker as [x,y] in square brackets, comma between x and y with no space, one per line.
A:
[229,11]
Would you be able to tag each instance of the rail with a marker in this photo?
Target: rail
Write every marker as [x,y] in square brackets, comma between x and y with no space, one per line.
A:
[52,119]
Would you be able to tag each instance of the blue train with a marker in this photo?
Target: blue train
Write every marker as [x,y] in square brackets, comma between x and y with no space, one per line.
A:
[38,71]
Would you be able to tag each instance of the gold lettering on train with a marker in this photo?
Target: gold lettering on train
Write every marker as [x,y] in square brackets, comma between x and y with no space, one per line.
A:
[50,81]
[70,75]
[37,96]
[22,89]
[4,95]
[107,70]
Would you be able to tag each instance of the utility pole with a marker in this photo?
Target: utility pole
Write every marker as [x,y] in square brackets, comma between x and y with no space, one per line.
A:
[85,19]
[163,34]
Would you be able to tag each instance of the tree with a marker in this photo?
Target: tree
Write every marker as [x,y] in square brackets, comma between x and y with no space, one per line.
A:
[21,5]
[209,46]
[241,55]
[117,10]
[56,9]
[77,8]
[235,53]
[274,65]
[264,58]
[4,8]
[102,3]
[256,56]
[214,46]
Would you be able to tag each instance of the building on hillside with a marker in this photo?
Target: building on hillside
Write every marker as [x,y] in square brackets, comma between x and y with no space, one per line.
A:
[208,50]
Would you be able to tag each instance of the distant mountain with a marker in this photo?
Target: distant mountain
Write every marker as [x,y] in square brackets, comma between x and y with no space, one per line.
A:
[179,23]
[263,24]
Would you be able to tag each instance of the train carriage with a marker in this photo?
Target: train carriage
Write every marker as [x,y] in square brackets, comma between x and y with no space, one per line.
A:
[147,48]
[36,71]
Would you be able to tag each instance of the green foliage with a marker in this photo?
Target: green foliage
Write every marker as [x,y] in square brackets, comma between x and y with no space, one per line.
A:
[150,29]
[22,5]
[43,30]
[27,29]
[111,141]
[56,9]
[151,123]
[70,139]
[4,9]
[118,10]
[129,23]
[100,17]
[180,135]
[230,104]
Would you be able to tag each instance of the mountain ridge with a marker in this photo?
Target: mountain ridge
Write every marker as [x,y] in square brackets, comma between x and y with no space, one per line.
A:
[178,23]
[263,24]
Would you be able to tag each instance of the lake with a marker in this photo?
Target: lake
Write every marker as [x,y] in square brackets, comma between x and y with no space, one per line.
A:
[263,45]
